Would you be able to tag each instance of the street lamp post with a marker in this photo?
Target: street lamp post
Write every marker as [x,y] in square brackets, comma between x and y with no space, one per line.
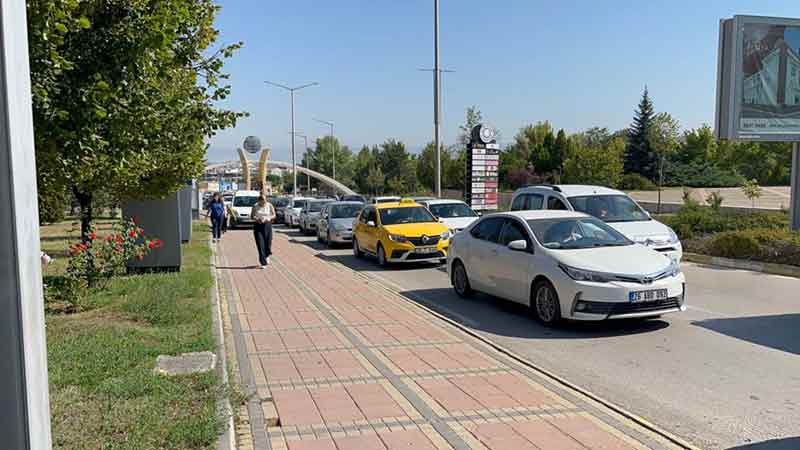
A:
[333,149]
[291,94]
[308,158]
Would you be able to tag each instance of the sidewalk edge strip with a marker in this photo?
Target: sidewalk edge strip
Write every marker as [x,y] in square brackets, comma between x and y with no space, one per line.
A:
[227,439]
[527,363]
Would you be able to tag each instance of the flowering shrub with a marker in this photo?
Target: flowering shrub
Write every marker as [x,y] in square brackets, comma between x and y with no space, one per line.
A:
[96,260]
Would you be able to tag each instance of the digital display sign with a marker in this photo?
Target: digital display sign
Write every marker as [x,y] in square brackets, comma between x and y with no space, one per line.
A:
[483,160]
[758,80]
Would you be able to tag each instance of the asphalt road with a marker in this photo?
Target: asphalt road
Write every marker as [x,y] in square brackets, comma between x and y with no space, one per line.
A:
[725,374]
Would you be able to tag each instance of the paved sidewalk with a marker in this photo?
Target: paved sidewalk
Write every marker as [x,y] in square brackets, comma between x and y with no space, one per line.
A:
[348,364]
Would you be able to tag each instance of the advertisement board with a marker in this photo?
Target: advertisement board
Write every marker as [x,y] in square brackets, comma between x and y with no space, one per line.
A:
[483,160]
[758,79]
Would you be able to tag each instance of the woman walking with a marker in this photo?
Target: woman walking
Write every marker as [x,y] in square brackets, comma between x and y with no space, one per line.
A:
[216,210]
[264,214]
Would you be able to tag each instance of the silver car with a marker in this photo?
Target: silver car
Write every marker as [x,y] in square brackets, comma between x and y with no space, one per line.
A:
[336,222]
[309,215]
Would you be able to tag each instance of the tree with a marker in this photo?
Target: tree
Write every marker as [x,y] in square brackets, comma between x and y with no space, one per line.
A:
[595,165]
[752,191]
[699,145]
[124,95]
[663,137]
[560,151]
[426,167]
[325,148]
[361,168]
[639,157]
[375,180]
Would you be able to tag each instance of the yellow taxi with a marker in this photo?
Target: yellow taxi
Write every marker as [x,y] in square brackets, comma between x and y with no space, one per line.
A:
[398,232]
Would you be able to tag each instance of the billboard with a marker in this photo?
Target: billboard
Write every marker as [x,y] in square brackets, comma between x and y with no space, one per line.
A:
[758,79]
[483,160]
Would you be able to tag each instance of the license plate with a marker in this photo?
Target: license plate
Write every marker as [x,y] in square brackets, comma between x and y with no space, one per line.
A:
[647,296]
[425,250]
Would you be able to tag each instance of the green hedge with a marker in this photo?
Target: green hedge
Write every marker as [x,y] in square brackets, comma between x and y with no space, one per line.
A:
[636,182]
[696,221]
[776,246]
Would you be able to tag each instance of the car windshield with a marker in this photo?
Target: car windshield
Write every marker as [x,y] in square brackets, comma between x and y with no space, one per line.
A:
[576,233]
[412,214]
[300,204]
[345,211]
[609,208]
[280,202]
[353,198]
[452,210]
[244,201]
[227,198]
[316,206]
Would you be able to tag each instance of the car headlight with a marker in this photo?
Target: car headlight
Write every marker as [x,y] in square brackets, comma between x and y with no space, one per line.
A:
[673,237]
[446,235]
[398,238]
[674,268]
[586,275]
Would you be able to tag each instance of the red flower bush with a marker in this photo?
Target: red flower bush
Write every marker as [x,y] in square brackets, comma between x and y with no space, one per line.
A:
[96,261]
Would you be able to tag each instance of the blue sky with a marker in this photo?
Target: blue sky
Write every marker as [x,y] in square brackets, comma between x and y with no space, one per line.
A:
[577,64]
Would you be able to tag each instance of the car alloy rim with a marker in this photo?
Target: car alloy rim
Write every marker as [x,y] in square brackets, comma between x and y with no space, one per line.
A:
[461,279]
[545,304]
[355,247]
[381,256]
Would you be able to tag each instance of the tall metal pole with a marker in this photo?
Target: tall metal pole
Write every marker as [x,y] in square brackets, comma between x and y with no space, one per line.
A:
[25,420]
[294,164]
[308,163]
[437,100]
[291,93]
[333,148]
[795,190]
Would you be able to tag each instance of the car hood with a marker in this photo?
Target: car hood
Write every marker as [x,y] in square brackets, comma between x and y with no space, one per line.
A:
[633,259]
[417,229]
[642,230]
[458,222]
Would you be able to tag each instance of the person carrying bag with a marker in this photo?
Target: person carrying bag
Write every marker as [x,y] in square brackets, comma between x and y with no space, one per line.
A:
[264,214]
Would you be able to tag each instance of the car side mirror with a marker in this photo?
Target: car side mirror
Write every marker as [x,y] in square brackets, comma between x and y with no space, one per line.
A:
[518,246]
[480,214]
[370,223]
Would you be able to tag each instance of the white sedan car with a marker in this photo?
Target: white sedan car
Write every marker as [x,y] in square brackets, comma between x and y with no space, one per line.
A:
[564,265]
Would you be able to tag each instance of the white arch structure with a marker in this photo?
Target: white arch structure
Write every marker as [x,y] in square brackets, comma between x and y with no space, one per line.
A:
[314,174]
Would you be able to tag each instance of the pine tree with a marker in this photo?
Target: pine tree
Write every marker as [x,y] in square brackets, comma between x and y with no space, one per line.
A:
[639,157]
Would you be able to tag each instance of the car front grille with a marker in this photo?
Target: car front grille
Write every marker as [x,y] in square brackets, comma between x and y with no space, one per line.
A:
[630,308]
[432,240]
[397,254]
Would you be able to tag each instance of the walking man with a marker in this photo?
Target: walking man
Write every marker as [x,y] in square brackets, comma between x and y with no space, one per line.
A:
[264,214]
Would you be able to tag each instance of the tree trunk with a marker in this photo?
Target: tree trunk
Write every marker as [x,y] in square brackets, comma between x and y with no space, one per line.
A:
[86,214]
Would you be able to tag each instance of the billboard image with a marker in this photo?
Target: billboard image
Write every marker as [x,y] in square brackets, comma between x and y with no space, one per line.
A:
[483,159]
[771,78]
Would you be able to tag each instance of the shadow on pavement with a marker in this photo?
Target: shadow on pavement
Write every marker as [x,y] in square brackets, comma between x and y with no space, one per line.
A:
[369,263]
[792,443]
[498,316]
[238,268]
[781,332]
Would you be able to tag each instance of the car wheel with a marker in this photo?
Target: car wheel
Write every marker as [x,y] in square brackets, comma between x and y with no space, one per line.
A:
[328,239]
[545,304]
[319,238]
[357,250]
[381,256]
[460,281]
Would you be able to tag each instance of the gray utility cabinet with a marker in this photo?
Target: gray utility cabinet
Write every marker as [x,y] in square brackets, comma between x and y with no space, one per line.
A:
[185,208]
[159,219]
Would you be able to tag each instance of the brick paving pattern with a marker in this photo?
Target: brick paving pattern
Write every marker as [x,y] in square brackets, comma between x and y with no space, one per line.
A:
[347,364]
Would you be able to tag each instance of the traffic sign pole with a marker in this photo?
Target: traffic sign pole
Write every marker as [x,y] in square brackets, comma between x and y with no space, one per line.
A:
[25,421]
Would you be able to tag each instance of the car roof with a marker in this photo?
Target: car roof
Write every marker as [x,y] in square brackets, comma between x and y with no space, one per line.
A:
[443,201]
[383,197]
[346,202]
[575,190]
[541,214]
[247,194]
[397,205]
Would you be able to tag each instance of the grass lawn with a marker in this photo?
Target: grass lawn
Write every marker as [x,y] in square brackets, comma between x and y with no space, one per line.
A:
[103,392]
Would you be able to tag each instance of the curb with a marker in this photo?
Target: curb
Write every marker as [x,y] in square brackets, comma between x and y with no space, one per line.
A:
[638,420]
[227,439]
[742,264]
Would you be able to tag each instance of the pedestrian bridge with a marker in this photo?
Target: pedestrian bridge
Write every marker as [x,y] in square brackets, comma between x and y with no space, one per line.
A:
[337,186]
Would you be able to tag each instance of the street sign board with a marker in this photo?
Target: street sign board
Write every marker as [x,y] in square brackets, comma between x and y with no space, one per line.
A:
[758,79]
[252,144]
[483,160]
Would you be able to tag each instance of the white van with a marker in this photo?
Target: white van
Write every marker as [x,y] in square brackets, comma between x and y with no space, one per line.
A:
[241,205]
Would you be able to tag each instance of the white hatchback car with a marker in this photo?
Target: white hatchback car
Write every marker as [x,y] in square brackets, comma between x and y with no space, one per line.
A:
[293,209]
[456,214]
[564,265]
[609,205]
